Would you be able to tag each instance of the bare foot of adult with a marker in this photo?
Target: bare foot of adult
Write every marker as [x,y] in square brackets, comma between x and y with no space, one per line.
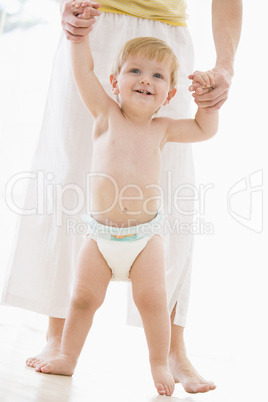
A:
[163,380]
[50,351]
[184,372]
[63,365]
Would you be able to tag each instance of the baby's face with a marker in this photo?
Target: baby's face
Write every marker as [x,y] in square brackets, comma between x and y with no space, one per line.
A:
[144,82]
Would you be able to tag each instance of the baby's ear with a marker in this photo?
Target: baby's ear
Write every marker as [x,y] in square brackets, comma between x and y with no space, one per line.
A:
[171,94]
[114,84]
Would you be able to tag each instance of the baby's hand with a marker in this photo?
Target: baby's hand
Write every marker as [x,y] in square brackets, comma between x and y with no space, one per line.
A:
[202,82]
[86,9]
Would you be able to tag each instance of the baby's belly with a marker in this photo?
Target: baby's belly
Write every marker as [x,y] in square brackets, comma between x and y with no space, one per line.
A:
[124,203]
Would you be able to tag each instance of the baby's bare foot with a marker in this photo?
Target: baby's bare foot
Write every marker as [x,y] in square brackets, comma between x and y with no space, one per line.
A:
[63,365]
[50,351]
[163,380]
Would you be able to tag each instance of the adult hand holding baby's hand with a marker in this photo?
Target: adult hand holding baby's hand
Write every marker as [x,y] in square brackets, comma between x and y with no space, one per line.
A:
[202,82]
[77,18]
[211,98]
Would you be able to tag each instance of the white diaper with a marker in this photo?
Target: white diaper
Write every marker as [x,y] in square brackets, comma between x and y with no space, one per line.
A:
[121,246]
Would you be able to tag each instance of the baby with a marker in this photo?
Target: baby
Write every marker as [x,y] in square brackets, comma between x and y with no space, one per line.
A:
[124,240]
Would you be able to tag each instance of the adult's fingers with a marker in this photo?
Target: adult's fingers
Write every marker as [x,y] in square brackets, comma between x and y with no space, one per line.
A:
[210,95]
[77,22]
[211,103]
[216,107]
[77,30]
[86,14]
[94,12]
[91,5]
[76,34]
[196,87]
[73,25]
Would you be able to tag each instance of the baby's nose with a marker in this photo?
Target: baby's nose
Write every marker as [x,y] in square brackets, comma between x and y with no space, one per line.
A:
[145,81]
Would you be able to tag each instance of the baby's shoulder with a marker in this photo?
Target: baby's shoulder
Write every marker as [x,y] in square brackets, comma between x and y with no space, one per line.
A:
[161,121]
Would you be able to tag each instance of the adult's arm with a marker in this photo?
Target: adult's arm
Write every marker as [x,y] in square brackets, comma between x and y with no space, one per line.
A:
[76,28]
[226,26]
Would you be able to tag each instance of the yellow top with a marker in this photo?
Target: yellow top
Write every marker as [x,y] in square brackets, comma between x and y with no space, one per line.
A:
[171,12]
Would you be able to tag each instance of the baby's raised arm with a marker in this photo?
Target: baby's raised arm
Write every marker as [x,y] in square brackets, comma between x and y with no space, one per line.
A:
[202,127]
[91,91]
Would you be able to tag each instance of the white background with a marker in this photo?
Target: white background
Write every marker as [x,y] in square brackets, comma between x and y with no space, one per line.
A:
[228,309]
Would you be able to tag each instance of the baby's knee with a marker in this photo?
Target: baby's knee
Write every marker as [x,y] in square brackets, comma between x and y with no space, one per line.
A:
[86,300]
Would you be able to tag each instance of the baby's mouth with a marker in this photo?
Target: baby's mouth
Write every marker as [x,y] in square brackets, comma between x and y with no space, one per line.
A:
[141,91]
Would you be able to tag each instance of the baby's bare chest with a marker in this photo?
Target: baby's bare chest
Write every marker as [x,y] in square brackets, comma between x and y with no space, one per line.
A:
[134,153]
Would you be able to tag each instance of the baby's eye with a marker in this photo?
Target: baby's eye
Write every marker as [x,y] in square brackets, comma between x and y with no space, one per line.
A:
[157,75]
[135,70]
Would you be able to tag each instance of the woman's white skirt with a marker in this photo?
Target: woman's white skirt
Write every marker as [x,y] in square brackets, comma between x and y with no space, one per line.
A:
[50,231]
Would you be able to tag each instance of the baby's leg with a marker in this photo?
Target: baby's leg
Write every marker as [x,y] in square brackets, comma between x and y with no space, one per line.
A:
[149,293]
[92,278]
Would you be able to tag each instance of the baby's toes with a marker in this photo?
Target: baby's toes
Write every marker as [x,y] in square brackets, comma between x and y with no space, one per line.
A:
[160,389]
[167,390]
[170,389]
[35,362]
[46,369]
[38,366]
[29,362]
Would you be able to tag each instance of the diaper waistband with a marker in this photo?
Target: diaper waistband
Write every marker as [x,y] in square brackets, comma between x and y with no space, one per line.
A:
[154,227]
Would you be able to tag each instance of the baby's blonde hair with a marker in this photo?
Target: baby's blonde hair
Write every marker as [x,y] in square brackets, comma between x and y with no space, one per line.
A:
[150,48]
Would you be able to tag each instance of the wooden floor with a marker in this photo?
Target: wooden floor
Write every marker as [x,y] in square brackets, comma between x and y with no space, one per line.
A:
[113,367]
[118,372]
